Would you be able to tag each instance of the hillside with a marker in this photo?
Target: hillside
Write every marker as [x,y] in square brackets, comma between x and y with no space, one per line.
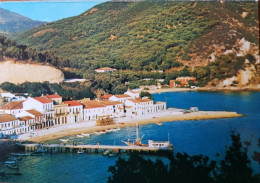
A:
[211,40]
[12,22]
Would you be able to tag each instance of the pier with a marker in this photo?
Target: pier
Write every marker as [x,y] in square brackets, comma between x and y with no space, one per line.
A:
[90,148]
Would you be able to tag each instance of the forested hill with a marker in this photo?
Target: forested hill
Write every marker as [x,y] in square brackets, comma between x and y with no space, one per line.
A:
[12,22]
[148,35]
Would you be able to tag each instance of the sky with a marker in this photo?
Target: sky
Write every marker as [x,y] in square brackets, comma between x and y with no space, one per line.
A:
[49,11]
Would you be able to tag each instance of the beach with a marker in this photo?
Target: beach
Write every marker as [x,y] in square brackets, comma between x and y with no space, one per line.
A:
[89,127]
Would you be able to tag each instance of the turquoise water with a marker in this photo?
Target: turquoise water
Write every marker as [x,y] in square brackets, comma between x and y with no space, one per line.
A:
[206,137]
[49,11]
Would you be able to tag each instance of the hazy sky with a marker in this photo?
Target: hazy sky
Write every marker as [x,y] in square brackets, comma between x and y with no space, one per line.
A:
[49,10]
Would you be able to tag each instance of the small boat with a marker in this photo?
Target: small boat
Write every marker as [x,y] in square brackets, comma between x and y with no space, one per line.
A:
[18,154]
[121,123]
[86,134]
[37,154]
[106,152]
[109,130]
[99,132]
[160,123]
[80,151]
[112,154]
[80,136]
[116,129]
[64,140]
[40,151]
[10,162]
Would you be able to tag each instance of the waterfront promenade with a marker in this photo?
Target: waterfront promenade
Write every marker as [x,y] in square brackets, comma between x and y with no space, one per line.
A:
[89,127]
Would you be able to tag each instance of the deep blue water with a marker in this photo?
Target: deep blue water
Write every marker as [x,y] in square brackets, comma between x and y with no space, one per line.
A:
[206,137]
[50,10]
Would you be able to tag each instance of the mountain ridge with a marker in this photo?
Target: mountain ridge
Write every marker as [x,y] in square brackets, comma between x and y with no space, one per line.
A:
[11,22]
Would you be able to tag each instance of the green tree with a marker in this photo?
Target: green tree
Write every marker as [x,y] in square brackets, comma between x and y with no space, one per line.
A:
[235,167]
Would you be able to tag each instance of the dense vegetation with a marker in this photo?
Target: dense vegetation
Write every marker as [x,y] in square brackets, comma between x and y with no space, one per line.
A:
[142,35]
[13,22]
[68,91]
[183,168]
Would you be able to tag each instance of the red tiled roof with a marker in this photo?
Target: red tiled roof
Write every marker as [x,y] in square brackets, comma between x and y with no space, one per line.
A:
[53,96]
[25,118]
[122,96]
[107,96]
[43,100]
[34,112]
[92,104]
[13,105]
[7,118]
[72,103]
[107,103]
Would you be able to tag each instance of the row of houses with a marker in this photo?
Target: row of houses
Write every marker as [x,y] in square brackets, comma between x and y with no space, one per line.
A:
[34,113]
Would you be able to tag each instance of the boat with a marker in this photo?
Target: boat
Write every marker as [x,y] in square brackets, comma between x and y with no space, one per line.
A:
[64,140]
[10,162]
[99,132]
[116,129]
[105,153]
[80,136]
[109,130]
[18,154]
[86,134]
[80,151]
[40,151]
[160,123]
[160,145]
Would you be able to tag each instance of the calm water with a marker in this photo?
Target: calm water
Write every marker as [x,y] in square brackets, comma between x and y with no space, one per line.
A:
[206,137]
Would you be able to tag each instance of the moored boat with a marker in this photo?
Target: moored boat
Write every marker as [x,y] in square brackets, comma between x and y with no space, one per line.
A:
[80,136]
[160,145]
[64,140]
[80,151]
[86,134]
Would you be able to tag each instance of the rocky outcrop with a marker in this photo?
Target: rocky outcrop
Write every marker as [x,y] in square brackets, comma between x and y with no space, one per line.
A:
[19,73]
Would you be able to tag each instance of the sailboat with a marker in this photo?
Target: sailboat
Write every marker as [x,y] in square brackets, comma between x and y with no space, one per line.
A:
[151,143]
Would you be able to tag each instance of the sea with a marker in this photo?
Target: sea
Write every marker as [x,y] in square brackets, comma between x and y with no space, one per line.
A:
[207,137]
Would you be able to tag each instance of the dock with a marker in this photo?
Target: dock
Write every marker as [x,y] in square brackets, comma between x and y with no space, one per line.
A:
[91,148]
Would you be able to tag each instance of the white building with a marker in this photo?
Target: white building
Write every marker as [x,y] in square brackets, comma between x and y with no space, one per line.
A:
[75,110]
[44,106]
[12,108]
[132,93]
[120,98]
[33,119]
[9,125]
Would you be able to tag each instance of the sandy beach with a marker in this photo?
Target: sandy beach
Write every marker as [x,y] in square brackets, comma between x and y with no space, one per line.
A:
[89,127]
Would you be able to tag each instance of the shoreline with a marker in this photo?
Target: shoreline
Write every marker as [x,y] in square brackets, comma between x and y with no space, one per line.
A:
[85,128]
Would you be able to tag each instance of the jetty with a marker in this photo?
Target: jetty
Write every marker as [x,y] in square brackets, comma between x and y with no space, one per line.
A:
[91,148]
